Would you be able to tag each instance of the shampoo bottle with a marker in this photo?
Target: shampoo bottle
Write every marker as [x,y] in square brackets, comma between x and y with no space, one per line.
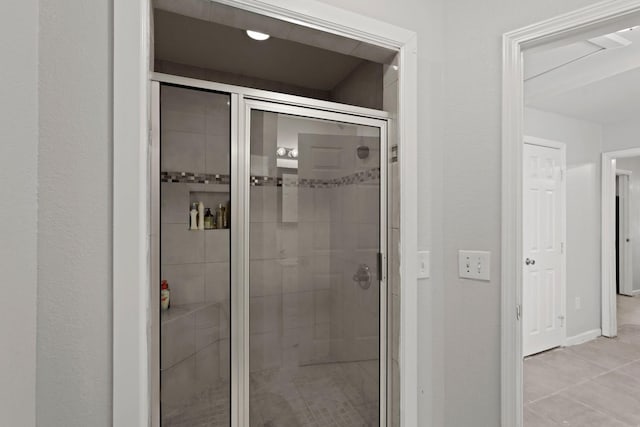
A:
[220,216]
[193,217]
[200,216]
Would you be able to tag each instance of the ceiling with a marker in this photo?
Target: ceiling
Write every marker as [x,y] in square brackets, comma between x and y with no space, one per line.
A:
[211,35]
[597,80]
[204,44]
[607,101]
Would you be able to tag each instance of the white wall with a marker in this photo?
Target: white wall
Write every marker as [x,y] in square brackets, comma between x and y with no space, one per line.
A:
[584,141]
[18,210]
[74,349]
[633,164]
[621,136]
[472,196]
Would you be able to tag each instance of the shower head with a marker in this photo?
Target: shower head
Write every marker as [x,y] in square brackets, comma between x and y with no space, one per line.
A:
[363,151]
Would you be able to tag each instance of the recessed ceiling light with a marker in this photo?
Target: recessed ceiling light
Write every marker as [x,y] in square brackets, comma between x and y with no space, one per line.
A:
[256,35]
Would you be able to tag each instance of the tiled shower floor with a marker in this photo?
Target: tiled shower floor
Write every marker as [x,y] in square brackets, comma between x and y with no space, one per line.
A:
[335,394]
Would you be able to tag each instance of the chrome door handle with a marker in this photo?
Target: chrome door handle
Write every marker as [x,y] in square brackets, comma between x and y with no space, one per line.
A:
[530,261]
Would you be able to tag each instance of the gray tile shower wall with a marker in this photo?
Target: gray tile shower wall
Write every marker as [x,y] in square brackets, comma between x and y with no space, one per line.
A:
[195,140]
[195,122]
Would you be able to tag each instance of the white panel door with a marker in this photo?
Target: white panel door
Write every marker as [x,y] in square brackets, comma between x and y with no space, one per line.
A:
[543,310]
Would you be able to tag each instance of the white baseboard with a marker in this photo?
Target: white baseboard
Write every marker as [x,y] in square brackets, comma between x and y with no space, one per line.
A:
[583,337]
[635,292]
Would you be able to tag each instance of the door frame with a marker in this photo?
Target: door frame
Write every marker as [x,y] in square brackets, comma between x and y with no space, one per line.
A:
[625,252]
[563,223]
[608,250]
[243,100]
[131,254]
[575,24]
[379,120]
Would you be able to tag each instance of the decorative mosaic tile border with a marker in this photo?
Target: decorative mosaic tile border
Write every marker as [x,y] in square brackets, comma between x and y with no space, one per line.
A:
[394,153]
[194,178]
[263,181]
[356,178]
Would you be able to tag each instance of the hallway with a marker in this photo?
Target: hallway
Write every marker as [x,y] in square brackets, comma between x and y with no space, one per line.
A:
[593,384]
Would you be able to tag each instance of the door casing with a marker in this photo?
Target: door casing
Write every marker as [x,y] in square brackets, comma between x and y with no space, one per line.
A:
[625,249]
[132,62]
[580,24]
[609,301]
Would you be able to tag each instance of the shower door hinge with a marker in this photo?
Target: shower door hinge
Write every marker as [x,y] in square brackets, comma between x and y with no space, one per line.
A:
[518,311]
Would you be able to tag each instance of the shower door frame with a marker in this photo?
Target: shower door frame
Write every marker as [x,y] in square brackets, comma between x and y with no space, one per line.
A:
[243,100]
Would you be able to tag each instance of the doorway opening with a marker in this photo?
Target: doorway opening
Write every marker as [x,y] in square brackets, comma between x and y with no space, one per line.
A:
[279,311]
[134,347]
[558,77]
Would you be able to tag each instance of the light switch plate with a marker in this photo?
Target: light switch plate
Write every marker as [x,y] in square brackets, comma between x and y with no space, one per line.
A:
[474,265]
[424,264]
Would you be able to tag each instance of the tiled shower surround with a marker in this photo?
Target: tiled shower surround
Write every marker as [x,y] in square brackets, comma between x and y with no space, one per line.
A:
[309,234]
[195,331]
[313,330]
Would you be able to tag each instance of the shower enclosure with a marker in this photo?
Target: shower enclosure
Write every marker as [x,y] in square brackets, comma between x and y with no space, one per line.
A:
[277,312]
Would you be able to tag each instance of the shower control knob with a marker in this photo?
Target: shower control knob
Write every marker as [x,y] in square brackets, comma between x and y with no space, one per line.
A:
[363,276]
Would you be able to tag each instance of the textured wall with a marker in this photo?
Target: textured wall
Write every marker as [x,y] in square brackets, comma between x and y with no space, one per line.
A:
[18,209]
[472,201]
[74,349]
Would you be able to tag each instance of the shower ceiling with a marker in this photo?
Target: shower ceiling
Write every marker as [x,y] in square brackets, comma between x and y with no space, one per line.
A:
[205,44]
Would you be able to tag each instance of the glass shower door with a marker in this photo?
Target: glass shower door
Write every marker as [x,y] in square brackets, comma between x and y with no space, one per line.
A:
[194,227]
[316,292]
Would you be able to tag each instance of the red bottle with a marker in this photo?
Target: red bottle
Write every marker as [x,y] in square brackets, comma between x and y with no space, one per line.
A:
[165,294]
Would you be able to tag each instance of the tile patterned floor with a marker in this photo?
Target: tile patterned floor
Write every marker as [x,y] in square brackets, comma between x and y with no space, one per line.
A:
[593,384]
[335,394]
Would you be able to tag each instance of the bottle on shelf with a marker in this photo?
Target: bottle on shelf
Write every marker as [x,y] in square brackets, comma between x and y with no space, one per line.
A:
[220,216]
[193,217]
[200,216]
[209,223]
[165,294]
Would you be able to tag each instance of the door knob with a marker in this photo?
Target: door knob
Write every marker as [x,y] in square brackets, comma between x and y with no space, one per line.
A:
[529,261]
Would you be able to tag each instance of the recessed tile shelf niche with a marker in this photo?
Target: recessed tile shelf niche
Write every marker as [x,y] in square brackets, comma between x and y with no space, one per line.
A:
[178,198]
